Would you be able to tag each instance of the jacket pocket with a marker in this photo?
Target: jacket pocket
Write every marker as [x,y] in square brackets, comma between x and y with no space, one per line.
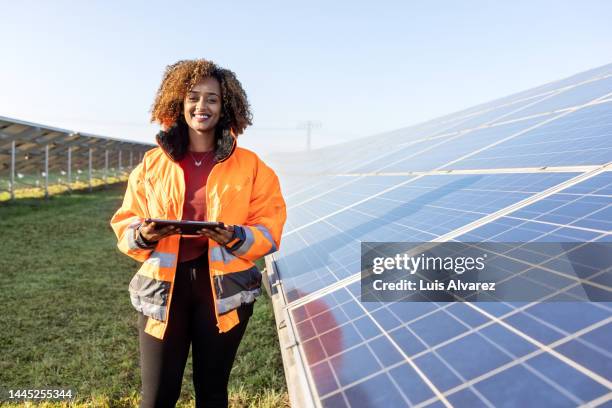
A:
[236,288]
[150,296]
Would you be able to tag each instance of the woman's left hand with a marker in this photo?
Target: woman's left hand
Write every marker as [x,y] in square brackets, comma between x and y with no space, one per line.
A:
[221,235]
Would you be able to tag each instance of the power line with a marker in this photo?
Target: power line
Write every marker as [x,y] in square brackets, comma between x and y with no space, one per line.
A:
[309,125]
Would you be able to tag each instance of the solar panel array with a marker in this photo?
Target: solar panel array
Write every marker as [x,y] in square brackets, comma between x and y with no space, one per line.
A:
[531,167]
[32,152]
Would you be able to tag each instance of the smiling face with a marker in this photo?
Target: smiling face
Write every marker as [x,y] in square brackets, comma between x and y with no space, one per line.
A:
[202,105]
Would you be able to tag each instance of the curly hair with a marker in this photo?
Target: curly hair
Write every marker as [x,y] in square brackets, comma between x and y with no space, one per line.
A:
[178,79]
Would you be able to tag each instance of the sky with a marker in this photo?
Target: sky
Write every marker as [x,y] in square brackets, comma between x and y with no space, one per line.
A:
[357,68]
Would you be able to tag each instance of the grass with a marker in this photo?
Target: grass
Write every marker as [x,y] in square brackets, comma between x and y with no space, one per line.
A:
[67,319]
[28,190]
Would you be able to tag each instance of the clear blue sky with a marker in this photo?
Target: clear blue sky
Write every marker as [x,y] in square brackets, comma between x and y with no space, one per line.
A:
[360,68]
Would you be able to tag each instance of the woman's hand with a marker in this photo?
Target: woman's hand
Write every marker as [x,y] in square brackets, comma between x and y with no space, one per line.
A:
[149,232]
[221,235]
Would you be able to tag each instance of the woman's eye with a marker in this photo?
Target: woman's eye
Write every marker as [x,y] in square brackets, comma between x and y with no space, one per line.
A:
[212,101]
[193,99]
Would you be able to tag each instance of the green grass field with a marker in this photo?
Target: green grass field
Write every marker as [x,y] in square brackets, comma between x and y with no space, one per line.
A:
[67,321]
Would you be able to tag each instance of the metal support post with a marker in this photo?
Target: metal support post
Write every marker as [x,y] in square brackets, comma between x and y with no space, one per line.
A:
[89,178]
[69,169]
[105,166]
[46,171]
[12,186]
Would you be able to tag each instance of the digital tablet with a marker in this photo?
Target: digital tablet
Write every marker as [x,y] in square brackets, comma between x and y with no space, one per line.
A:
[187,227]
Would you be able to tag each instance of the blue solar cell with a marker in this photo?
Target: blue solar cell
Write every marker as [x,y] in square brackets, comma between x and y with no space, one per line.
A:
[567,377]
[461,354]
[598,185]
[329,319]
[495,114]
[466,398]
[368,393]
[575,96]
[410,311]
[533,328]
[437,327]
[386,319]
[335,401]
[439,373]
[577,206]
[354,364]
[571,316]
[398,153]
[520,387]
[466,314]
[600,337]
[552,86]
[411,383]
[313,351]
[439,153]
[367,329]
[509,341]
[588,357]
[324,378]
[385,351]
[579,138]
[406,341]
[340,338]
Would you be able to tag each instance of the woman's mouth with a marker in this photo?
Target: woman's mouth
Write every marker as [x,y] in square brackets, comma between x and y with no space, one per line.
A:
[201,117]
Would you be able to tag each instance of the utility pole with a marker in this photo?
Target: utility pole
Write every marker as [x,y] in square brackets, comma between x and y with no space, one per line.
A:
[309,125]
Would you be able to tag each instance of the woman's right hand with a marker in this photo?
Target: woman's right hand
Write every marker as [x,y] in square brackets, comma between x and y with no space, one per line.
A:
[149,232]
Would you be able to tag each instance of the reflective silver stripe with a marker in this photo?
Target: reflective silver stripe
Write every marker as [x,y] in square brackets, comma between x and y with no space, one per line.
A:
[150,296]
[135,223]
[219,253]
[130,238]
[248,242]
[162,259]
[267,234]
[157,312]
[154,291]
[230,303]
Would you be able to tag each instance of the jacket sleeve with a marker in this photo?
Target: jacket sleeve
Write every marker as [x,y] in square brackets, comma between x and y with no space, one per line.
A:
[261,233]
[130,215]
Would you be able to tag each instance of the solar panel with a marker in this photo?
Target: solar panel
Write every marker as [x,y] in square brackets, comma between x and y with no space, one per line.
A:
[532,167]
[30,153]
[577,138]
[327,250]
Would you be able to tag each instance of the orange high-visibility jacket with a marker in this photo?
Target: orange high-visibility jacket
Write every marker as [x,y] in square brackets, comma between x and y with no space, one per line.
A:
[241,190]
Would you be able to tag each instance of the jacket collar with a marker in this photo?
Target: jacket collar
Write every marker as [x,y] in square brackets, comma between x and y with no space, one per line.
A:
[225,145]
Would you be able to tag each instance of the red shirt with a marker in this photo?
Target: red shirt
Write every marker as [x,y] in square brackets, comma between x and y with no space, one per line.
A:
[194,207]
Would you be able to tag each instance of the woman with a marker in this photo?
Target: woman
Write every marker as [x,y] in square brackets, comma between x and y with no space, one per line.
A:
[197,173]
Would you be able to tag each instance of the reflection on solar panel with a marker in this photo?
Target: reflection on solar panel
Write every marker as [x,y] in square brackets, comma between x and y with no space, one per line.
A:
[532,167]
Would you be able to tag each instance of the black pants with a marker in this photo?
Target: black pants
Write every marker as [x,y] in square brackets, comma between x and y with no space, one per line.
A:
[192,320]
